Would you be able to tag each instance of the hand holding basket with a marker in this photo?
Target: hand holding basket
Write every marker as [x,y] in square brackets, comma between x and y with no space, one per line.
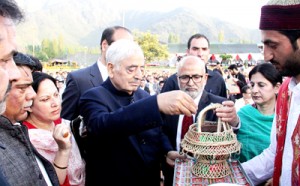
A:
[211,144]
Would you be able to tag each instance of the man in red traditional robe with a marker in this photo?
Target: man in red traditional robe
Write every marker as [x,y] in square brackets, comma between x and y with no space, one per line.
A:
[280,31]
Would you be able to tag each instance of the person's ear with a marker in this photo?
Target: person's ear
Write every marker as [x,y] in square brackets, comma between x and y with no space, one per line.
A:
[110,69]
[104,45]
[277,86]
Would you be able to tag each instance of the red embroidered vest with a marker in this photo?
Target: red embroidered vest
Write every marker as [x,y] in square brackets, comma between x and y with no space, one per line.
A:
[282,110]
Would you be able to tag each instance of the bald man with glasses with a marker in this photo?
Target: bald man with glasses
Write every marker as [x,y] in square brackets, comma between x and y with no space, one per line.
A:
[192,78]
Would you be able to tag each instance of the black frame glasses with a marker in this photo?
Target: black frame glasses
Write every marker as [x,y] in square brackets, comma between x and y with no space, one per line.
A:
[186,78]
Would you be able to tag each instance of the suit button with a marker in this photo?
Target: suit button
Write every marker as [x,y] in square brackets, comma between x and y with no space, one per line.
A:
[143,141]
[27,153]
[40,176]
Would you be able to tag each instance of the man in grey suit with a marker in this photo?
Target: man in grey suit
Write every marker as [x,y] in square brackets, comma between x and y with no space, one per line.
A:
[82,80]
[20,162]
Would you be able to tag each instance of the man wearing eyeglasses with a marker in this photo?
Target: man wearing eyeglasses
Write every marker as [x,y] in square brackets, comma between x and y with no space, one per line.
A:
[192,78]
[199,45]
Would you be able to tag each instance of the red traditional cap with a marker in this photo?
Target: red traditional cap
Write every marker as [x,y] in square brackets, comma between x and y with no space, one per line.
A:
[280,17]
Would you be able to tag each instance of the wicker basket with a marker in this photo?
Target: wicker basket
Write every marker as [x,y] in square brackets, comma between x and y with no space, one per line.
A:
[211,143]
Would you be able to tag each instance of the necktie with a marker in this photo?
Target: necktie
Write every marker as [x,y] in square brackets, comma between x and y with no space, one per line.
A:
[186,122]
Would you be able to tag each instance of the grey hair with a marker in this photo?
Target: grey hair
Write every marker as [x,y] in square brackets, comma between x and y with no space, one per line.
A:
[283,2]
[188,58]
[122,49]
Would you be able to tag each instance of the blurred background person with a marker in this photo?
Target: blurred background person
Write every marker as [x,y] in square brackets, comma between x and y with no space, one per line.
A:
[218,68]
[60,84]
[256,119]
[150,84]
[160,86]
[246,99]
[238,78]
[143,85]
[53,140]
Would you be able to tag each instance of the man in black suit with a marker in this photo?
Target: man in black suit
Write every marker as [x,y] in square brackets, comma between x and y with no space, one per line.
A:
[82,80]
[198,45]
[192,79]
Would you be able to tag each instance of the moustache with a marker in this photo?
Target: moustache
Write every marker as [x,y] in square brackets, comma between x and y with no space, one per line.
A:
[273,62]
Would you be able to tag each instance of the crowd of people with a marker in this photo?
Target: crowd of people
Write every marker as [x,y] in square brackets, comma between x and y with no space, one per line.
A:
[134,120]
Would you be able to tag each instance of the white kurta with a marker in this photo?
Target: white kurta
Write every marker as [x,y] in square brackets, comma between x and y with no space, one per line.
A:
[261,167]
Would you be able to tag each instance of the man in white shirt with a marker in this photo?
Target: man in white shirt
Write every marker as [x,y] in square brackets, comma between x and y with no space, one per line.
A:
[281,40]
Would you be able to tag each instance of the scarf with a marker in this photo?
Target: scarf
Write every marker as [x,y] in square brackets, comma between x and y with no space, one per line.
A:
[45,144]
[282,109]
[254,132]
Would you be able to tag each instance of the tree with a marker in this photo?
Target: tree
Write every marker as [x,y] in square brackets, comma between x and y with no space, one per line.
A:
[226,58]
[55,48]
[152,48]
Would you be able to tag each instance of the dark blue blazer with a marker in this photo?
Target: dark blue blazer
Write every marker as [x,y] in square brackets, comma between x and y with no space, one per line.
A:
[171,124]
[3,181]
[215,84]
[125,141]
[77,83]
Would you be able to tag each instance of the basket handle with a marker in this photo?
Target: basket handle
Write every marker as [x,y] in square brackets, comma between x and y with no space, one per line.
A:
[202,116]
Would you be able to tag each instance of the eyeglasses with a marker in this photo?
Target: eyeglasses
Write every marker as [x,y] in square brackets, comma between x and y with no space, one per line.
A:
[186,78]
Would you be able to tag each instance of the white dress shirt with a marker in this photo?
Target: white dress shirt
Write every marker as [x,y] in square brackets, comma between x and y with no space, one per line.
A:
[261,167]
[103,69]
[179,126]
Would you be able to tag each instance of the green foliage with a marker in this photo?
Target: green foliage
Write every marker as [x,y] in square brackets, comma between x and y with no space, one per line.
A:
[152,48]
[226,57]
[56,48]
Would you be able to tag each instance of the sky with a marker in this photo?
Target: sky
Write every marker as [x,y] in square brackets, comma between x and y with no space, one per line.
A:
[241,12]
[244,13]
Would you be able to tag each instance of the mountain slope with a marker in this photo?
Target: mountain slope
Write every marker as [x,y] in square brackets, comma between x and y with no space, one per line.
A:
[82,22]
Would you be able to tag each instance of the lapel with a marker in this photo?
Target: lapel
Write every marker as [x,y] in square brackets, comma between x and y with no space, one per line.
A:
[95,75]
